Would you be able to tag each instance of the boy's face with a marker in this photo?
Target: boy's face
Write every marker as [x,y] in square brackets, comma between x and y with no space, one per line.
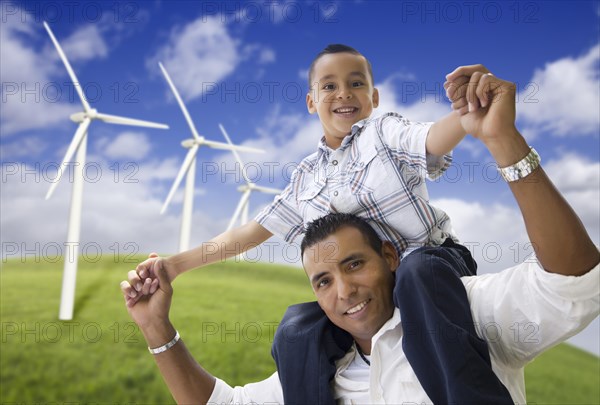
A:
[342,94]
[352,282]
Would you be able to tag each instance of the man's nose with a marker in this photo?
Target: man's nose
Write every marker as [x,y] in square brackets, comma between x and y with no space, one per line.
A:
[345,288]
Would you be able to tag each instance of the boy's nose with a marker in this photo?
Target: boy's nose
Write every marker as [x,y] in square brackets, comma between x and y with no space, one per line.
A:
[344,93]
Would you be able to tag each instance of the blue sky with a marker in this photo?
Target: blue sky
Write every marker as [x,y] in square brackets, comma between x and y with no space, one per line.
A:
[244,64]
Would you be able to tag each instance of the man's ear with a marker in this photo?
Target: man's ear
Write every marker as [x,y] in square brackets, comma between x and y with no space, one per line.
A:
[310,103]
[390,255]
[375,98]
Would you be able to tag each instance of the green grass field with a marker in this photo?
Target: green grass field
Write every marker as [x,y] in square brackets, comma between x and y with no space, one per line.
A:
[226,314]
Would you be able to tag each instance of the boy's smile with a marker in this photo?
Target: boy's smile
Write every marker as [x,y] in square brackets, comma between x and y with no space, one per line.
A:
[341,94]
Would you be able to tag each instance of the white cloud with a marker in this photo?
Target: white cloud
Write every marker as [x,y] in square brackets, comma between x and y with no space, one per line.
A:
[200,53]
[563,97]
[29,75]
[84,44]
[578,179]
[429,108]
[128,144]
[203,53]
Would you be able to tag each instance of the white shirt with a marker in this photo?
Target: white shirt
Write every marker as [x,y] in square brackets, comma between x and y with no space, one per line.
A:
[520,312]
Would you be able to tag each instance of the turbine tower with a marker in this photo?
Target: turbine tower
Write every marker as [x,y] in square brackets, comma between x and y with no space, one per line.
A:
[78,146]
[188,168]
[246,189]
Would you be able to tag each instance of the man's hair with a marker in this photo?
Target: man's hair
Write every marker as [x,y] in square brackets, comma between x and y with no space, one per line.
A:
[322,227]
[336,48]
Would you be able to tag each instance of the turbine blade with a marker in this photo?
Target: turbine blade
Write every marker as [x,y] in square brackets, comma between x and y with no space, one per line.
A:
[226,146]
[238,209]
[191,155]
[267,190]
[62,55]
[115,119]
[79,134]
[237,156]
[186,114]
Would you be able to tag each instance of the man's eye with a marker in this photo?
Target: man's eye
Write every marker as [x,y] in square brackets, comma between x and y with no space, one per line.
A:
[322,283]
[353,265]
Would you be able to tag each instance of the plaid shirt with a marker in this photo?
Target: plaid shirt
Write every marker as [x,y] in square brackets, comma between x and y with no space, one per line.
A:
[378,173]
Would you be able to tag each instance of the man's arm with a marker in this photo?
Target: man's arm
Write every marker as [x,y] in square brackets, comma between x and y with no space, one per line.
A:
[487,111]
[187,380]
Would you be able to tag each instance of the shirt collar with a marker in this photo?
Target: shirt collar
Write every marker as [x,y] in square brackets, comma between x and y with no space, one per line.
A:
[325,150]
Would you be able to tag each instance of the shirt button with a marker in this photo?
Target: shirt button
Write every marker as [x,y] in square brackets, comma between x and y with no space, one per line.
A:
[335,193]
[335,162]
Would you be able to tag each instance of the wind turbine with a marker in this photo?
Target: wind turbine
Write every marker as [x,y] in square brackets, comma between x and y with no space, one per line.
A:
[245,189]
[79,144]
[189,166]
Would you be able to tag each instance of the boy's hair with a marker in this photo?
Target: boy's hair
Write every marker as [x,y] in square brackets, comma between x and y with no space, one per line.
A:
[322,227]
[336,48]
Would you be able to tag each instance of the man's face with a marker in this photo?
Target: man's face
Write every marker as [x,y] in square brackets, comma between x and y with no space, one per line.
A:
[352,282]
[342,94]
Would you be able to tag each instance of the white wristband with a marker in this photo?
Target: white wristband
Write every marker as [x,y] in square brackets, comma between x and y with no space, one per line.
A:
[166,346]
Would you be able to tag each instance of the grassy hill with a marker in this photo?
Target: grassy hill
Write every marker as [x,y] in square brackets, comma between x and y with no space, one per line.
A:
[226,314]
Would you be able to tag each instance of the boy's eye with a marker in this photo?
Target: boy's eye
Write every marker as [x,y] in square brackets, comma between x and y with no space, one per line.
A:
[357,84]
[329,86]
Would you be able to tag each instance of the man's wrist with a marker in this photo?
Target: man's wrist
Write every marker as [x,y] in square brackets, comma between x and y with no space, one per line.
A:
[508,149]
[158,333]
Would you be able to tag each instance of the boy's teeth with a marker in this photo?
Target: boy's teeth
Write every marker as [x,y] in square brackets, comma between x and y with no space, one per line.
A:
[344,110]
[357,308]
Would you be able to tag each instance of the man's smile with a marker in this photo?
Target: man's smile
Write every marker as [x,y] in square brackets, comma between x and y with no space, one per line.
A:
[358,309]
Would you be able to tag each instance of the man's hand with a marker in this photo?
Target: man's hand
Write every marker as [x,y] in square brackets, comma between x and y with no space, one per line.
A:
[485,103]
[148,298]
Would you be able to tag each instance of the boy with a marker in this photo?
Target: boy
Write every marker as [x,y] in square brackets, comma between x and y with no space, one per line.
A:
[375,168]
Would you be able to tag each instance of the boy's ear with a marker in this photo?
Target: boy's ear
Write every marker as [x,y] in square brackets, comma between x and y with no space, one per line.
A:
[310,103]
[375,98]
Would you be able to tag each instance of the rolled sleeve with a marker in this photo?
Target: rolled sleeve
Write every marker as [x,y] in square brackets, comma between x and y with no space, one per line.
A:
[525,310]
[281,217]
[263,392]
[408,140]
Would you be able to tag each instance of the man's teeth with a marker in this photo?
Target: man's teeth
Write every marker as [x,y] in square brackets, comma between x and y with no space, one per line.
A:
[345,110]
[357,308]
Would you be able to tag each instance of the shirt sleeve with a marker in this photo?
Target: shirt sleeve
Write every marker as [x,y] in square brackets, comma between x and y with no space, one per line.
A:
[525,310]
[281,217]
[407,140]
[268,391]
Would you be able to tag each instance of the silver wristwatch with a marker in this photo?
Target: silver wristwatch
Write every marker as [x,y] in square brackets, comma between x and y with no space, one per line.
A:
[522,168]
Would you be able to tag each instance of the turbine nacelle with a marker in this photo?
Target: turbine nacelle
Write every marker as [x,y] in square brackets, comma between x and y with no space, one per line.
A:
[80,116]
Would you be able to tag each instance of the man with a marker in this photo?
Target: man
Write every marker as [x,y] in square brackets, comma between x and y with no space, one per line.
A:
[354,287]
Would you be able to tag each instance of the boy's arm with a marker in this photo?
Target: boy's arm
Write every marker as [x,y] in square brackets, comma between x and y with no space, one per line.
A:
[444,135]
[228,244]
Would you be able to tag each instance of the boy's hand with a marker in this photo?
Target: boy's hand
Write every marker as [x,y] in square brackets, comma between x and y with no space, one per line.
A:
[485,103]
[143,280]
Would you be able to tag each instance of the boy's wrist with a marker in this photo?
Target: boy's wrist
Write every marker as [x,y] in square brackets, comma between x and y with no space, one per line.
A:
[170,268]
